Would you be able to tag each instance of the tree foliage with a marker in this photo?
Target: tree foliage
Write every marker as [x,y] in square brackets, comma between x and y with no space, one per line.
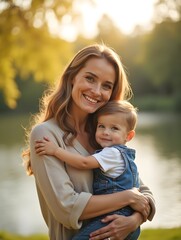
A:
[29,52]
[26,46]
[161,57]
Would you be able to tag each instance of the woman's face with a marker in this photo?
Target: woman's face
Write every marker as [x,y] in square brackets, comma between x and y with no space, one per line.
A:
[93,85]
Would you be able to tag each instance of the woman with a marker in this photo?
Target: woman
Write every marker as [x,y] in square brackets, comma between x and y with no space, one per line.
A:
[93,77]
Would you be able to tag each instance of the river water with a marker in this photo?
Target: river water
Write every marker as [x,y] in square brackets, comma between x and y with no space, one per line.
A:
[158,156]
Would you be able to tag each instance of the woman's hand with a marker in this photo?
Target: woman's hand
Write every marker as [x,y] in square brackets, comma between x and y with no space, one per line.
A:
[140,203]
[118,228]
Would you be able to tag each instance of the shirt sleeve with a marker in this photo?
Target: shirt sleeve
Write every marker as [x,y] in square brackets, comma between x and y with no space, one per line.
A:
[146,191]
[57,190]
[109,158]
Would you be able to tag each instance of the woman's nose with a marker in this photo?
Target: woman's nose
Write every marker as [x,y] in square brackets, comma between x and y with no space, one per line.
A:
[97,89]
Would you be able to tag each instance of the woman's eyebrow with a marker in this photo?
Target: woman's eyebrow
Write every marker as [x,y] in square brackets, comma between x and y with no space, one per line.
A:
[92,74]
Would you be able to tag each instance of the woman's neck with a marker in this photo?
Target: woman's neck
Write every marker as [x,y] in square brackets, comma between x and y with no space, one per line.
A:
[83,139]
[78,121]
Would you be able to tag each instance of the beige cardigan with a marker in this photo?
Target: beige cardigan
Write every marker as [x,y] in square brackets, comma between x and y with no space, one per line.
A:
[63,191]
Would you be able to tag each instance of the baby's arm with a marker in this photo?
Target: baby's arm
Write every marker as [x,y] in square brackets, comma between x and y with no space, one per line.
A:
[46,147]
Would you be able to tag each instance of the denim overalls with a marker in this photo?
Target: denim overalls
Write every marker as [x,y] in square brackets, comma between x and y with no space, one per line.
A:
[104,185]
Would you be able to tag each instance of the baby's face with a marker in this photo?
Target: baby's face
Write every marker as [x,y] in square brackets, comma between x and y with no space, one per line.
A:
[111,130]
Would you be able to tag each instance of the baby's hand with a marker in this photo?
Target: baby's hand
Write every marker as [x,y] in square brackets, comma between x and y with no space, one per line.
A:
[45,147]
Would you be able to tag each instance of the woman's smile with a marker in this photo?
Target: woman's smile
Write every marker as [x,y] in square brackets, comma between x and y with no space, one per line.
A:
[90,99]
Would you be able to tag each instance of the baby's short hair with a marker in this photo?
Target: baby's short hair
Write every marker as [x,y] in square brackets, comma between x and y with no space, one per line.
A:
[126,108]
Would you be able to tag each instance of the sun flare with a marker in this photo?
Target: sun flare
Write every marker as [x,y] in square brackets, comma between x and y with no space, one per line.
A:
[126,14]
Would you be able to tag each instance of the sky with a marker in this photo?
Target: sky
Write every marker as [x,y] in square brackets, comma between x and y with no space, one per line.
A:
[126,14]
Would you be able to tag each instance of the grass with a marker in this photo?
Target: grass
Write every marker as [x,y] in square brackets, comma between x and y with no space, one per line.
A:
[10,236]
[161,234]
[147,234]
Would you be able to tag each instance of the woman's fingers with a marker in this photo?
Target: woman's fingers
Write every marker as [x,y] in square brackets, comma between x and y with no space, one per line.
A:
[146,212]
[117,229]
[140,202]
[101,233]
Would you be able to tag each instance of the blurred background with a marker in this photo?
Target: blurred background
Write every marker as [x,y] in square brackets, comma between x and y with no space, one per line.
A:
[39,37]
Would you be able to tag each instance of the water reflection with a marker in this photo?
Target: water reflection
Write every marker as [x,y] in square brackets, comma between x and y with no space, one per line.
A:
[163,178]
[19,207]
[157,144]
[166,131]
[159,161]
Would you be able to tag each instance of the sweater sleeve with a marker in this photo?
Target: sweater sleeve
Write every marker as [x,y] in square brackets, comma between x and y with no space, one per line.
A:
[52,180]
[146,191]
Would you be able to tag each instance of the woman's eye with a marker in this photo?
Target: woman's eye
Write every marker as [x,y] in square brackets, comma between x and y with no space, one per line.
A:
[107,87]
[90,79]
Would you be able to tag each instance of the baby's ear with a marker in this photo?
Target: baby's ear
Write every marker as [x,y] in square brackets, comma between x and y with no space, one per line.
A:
[130,135]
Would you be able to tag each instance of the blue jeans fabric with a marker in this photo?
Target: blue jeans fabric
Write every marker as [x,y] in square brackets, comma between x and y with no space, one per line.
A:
[96,224]
[105,185]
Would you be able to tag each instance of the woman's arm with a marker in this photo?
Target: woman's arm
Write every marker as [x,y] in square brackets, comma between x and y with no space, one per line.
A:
[47,147]
[147,193]
[55,189]
[101,204]
[119,226]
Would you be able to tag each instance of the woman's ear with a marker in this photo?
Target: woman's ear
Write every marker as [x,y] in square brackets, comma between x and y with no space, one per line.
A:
[130,135]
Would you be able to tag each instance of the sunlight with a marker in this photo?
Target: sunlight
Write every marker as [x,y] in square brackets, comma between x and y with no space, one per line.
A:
[126,15]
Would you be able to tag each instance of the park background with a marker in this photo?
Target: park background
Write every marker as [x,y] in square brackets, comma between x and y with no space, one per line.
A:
[37,40]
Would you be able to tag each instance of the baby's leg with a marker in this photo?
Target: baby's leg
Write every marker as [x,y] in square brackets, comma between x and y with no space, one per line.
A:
[84,233]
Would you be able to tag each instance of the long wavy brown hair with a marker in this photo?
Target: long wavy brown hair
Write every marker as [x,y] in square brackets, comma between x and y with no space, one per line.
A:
[56,102]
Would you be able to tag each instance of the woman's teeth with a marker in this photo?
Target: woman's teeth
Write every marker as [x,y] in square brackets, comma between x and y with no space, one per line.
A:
[91,100]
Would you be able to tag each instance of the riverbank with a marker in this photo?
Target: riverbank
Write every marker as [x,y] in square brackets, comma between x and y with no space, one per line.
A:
[147,234]
[157,104]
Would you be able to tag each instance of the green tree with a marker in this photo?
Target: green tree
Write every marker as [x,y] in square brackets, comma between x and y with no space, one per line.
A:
[27,47]
[162,57]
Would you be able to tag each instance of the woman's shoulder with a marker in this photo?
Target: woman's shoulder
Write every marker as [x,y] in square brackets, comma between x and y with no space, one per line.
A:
[50,125]
[46,124]
[49,129]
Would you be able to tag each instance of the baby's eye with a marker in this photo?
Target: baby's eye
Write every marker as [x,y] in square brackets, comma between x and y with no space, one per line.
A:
[114,128]
[100,126]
